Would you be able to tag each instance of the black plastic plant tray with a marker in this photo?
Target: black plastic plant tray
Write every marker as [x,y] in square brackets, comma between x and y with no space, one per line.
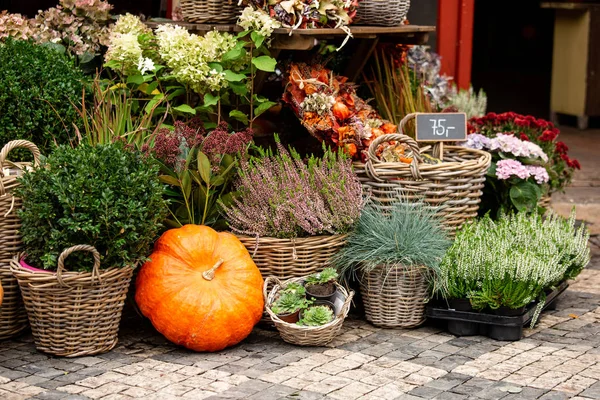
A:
[500,327]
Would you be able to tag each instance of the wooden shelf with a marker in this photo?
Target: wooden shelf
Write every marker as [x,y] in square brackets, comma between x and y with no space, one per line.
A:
[569,6]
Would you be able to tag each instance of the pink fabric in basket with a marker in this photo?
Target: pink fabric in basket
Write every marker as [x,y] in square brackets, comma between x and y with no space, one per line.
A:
[30,268]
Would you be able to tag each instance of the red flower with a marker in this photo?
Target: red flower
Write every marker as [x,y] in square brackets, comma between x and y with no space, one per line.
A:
[574,164]
[471,128]
[524,137]
[491,115]
[561,148]
[522,122]
[548,136]
[565,158]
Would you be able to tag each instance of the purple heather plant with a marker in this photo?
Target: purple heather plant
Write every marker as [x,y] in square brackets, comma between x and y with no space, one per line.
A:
[282,196]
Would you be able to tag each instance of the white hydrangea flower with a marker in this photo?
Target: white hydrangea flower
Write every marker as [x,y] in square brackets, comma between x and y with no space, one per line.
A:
[258,21]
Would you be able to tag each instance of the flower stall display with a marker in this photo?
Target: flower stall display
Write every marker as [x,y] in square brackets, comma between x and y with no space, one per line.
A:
[395,255]
[328,107]
[294,215]
[518,176]
[13,317]
[89,216]
[538,131]
[200,166]
[310,321]
[200,288]
[507,264]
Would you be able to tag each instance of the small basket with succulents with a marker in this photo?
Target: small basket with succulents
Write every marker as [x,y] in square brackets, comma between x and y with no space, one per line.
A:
[302,316]
[89,216]
[292,215]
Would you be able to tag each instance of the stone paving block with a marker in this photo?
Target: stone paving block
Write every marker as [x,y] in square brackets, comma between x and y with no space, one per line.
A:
[273,392]
[426,392]
[552,395]
[352,391]
[137,392]
[392,390]
[104,390]
[593,392]
[51,395]
[198,394]
[329,385]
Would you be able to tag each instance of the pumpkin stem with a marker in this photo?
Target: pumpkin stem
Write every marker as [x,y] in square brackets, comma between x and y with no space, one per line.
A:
[210,274]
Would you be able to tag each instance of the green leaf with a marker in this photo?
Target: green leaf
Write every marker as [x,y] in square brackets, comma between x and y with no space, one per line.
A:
[234,54]
[59,48]
[169,180]
[204,167]
[265,63]
[86,57]
[186,182]
[210,100]
[151,87]
[184,108]
[114,65]
[216,66]
[491,172]
[263,107]
[257,38]
[239,116]
[231,76]
[239,88]
[154,101]
[525,195]
[135,79]
[217,181]
[243,34]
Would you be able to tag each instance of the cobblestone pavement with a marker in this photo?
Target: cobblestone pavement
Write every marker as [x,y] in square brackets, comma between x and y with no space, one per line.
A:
[559,359]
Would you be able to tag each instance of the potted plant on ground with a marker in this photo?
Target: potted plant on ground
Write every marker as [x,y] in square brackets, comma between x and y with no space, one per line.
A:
[291,301]
[84,208]
[395,256]
[294,215]
[321,286]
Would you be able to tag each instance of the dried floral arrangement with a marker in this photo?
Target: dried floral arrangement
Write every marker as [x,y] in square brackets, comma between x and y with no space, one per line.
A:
[510,262]
[329,108]
[78,26]
[536,130]
[518,176]
[283,196]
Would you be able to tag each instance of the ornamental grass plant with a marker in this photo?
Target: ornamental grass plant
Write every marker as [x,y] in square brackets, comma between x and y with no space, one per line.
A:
[512,261]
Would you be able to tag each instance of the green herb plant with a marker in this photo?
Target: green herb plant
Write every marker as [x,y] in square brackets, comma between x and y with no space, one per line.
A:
[316,316]
[406,235]
[104,196]
[327,275]
[289,303]
[38,90]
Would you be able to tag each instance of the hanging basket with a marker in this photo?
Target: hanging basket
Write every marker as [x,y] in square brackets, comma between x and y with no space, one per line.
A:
[453,186]
[395,297]
[382,12]
[73,314]
[13,318]
[210,11]
[305,335]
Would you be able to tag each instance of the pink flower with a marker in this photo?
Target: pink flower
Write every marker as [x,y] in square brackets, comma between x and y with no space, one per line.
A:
[538,173]
[508,168]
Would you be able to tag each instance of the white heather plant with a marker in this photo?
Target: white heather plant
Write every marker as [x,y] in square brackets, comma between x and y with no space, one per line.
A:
[510,262]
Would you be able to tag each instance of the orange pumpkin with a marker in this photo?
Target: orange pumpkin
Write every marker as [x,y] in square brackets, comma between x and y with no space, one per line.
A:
[200,288]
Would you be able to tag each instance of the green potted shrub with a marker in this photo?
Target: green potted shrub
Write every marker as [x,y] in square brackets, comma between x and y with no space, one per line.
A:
[290,302]
[317,315]
[90,215]
[321,285]
[395,256]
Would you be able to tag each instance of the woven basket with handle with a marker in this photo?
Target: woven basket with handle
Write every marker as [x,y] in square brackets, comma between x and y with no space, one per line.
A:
[395,297]
[382,12]
[454,186]
[13,318]
[210,11]
[74,313]
[304,335]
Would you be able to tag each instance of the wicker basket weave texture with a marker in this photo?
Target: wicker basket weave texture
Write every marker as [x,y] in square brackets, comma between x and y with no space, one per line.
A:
[454,186]
[545,201]
[382,12]
[305,335]
[292,258]
[395,298]
[74,314]
[13,317]
[210,11]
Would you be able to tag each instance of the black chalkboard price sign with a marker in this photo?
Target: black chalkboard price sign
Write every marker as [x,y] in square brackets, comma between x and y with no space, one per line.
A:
[441,127]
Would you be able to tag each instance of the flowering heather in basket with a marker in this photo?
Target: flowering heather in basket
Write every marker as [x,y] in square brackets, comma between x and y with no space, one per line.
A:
[538,131]
[282,196]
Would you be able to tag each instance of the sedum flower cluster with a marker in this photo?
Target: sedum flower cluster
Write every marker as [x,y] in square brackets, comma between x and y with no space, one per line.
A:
[510,262]
[258,21]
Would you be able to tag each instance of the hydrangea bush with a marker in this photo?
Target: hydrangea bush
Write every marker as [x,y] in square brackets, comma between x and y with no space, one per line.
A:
[512,261]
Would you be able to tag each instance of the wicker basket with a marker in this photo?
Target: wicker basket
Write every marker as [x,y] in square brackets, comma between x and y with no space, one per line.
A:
[454,186]
[395,298]
[210,11]
[382,12]
[13,318]
[545,201]
[74,313]
[292,258]
[305,335]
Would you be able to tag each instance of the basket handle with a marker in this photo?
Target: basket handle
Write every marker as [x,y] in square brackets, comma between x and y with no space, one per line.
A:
[69,251]
[270,279]
[399,137]
[16,144]
[346,305]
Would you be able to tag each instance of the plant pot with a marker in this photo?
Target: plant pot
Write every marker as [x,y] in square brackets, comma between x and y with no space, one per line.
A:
[460,304]
[290,318]
[505,333]
[509,312]
[325,292]
[463,328]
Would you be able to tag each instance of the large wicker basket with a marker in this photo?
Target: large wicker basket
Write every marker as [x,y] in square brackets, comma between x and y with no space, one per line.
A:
[210,11]
[74,313]
[454,186]
[292,258]
[13,318]
[382,12]
[395,297]
[305,335]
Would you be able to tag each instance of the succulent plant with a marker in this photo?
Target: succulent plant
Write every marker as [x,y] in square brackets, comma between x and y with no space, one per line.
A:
[316,316]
